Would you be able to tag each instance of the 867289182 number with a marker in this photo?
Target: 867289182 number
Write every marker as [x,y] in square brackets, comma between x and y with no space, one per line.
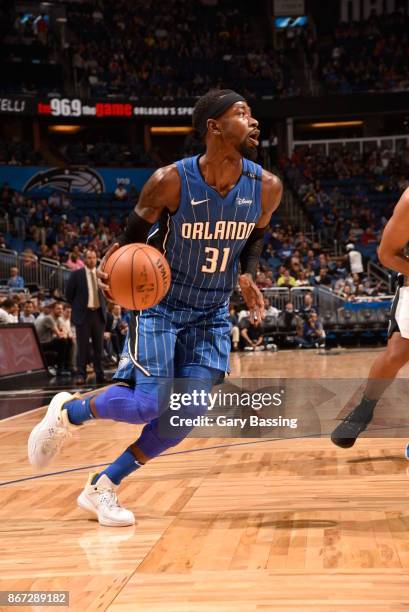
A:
[24,598]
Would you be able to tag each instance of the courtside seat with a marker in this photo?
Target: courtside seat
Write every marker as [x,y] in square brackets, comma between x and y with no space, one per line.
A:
[329,319]
[269,325]
[282,327]
[367,318]
[347,318]
[383,317]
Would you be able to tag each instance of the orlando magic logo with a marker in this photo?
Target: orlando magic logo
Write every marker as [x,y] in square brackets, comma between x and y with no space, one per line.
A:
[71,180]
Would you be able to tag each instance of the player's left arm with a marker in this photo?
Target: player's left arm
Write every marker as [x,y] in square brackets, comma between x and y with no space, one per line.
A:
[271,192]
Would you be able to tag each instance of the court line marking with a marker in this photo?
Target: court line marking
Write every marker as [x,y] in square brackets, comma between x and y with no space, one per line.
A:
[88,467]
[185,452]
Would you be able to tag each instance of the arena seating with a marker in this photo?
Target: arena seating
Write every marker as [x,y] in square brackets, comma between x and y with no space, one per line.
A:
[348,196]
[106,154]
[215,43]
[112,51]
[371,55]
[19,154]
[31,52]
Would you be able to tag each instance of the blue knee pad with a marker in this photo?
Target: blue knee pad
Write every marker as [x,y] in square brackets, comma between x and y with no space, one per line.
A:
[152,442]
[140,405]
[191,379]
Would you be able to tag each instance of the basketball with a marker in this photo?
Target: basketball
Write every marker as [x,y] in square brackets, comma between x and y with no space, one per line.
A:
[139,276]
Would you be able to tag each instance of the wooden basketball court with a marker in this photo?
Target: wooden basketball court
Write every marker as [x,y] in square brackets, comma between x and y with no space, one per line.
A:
[222,524]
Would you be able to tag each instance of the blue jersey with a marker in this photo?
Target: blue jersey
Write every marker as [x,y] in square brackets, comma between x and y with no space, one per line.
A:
[203,239]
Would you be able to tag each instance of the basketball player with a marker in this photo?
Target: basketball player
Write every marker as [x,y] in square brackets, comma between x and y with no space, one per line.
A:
[210,212]
[391,253]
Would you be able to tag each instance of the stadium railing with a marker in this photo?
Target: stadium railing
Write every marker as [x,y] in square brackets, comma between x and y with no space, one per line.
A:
[364,319]
[45,273]
[396,143]
[366,315]
[277,296]
[8,259]
[378,274]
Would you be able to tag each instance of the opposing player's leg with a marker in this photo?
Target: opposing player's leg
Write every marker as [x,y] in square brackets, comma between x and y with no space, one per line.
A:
[382,373]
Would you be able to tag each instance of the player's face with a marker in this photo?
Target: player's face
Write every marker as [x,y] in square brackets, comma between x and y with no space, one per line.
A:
[240,129]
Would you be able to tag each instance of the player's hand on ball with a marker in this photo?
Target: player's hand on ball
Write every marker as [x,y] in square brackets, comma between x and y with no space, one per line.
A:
[253,298]
[103,276]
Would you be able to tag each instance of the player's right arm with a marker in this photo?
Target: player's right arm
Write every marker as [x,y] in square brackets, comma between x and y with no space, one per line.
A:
[395,238]
[161,191]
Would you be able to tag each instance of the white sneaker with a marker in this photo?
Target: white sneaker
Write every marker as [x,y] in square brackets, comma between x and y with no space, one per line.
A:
[46,439]
[100,499]
[272,347]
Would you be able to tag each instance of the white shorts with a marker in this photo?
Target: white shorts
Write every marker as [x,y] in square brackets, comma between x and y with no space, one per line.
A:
[399,321]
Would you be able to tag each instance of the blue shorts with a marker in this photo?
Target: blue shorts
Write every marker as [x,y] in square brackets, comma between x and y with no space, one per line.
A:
[164,339]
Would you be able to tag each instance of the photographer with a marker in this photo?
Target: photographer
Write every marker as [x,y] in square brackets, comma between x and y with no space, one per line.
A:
[308,306]
[311,333]
[252,335]
[288,320]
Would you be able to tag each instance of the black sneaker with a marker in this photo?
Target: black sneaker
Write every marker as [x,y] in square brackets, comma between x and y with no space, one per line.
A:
[346,433]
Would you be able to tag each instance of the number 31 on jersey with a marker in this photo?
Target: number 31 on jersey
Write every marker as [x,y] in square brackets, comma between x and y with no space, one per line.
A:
[212,260]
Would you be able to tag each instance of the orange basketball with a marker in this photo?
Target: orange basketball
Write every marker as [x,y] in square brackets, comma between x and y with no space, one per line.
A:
[139,276]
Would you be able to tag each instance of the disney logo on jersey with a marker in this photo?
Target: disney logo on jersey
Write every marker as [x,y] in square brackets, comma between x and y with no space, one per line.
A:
[243,202]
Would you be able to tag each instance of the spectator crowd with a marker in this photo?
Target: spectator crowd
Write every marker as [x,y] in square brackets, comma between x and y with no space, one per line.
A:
[51,317]
[293,328]
[145,49]
[16,153]
[340,203]
[371,55]
[347,195]
[51,228]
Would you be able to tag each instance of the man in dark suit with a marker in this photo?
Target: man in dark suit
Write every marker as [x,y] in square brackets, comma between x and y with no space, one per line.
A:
[88,315]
